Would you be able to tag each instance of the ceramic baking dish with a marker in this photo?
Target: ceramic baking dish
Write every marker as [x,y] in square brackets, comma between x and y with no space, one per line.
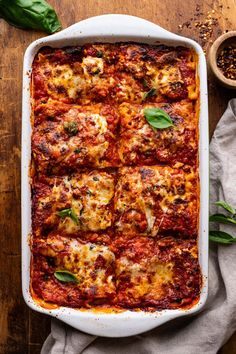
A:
[113,28]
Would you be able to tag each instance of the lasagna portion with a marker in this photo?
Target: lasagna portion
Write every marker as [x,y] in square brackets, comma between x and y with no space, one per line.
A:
[66,137]
[73,204]
[91,265]
[115,200]
[156,200]
[140,143]
[156,274]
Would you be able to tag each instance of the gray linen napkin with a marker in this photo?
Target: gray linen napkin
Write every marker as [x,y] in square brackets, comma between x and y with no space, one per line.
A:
[208,331]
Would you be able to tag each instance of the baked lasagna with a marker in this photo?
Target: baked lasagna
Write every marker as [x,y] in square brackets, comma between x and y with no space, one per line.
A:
[115,197]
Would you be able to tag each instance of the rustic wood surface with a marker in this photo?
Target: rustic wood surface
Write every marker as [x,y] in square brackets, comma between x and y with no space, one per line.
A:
[22,330]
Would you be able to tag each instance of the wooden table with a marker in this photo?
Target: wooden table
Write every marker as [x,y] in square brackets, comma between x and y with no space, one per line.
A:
[21,330]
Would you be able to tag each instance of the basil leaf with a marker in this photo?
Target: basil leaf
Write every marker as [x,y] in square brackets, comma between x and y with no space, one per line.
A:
[78,150]
[150,93]
[222,219]
[226,206]
[65,276]
[158,118]
[221,237]
[71,128]
[30,14]
[70,213]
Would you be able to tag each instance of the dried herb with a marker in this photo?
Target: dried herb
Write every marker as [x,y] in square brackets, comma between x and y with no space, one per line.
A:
[152,92]
[71,128]
[226,61]
[99,54]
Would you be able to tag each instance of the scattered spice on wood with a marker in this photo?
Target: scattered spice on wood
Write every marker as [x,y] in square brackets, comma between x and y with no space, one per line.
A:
[226,61]
[205,29]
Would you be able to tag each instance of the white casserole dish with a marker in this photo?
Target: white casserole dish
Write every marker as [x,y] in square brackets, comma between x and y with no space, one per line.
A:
[113,28]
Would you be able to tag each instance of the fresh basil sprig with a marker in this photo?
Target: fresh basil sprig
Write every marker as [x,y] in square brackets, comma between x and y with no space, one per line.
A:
[30,14]
[149,93]
[221,237]
[158,118]
[65,276]
[70,213]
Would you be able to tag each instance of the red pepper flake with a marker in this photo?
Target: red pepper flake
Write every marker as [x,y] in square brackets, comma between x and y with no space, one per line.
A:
[226,61]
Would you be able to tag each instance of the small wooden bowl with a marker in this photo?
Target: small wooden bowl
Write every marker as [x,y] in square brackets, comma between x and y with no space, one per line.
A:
[220,43]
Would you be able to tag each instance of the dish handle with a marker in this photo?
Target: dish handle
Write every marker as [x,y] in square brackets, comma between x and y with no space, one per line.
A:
[115,24]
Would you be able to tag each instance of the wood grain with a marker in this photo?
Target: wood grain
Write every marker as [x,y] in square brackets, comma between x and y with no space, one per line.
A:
[23,331]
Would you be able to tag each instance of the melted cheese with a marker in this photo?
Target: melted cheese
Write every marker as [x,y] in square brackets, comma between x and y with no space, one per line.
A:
[167,76]
[81,262]
[150,219]
[100,123]
[147,277]
[95,214]
[80,259]
[92,66]
[63,76]
[192,92]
